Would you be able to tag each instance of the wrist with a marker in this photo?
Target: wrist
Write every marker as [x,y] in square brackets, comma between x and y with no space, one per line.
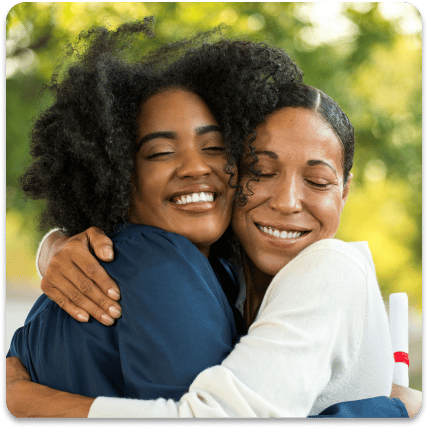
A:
[49,245]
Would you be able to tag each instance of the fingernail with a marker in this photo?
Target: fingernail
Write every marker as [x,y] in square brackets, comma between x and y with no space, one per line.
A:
[115,311]
[113,293]
[83,317]
[107,319]
[108,252]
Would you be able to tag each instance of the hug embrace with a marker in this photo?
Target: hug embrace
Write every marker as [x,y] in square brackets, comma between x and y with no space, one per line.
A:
[215,178]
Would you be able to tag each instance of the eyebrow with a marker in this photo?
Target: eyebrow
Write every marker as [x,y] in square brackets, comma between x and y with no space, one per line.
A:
[270,154]
[207,129]
[274,156]
[324,163]
[172,135]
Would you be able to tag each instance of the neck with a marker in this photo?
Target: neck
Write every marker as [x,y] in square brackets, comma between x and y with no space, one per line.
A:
[257,282]
[205,250]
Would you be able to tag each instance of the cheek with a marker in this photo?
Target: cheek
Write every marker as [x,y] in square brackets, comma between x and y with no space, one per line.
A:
[255,202]
[151,180]
[238,223]
[328,210]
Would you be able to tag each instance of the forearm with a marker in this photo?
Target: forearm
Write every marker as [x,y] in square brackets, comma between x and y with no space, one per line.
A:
[411,398]
[27,399]
[50,244]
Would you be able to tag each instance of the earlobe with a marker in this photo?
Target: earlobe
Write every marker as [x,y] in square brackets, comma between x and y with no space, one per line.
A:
[346,190]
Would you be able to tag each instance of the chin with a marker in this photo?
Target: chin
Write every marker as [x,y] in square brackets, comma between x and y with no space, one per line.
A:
[207,239]
[271,264]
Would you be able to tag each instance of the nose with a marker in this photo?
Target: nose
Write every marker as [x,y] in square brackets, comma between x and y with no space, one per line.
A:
[193,164]
[286,197]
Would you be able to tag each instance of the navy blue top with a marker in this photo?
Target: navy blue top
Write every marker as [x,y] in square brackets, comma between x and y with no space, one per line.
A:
[176,321]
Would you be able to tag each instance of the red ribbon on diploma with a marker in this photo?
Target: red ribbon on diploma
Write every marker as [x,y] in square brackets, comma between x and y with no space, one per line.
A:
[401,357]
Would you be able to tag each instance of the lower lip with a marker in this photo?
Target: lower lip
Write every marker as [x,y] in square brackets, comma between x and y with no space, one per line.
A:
[196,207]
[279,241]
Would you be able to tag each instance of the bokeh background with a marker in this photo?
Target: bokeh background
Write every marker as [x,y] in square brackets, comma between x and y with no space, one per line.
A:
[367,56]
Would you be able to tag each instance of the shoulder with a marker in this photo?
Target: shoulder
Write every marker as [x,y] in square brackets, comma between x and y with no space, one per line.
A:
[329,269]
[335,251]
[137,234]
[143,247]
[39,309]
[161,261]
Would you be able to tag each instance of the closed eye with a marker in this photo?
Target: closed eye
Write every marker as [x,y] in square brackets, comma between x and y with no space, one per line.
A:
[257,173]
[159,154]
[317,184]
[215,149]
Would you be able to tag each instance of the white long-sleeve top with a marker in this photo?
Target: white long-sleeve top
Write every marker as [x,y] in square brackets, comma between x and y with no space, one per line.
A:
[321,337]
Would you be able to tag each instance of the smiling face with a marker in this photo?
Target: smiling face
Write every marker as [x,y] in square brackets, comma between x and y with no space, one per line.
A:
[301,193]
[180,185]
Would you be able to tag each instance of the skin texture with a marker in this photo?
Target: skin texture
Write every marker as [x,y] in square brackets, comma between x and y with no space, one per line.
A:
[182,152]
[26,399]
[300,190]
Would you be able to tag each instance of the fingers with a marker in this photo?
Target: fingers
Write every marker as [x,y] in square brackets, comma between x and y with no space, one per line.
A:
[77,252]
[79,306]
[100,243]
[77,283]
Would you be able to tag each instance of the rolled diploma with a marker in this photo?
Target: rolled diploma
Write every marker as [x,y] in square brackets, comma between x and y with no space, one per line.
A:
[399,327]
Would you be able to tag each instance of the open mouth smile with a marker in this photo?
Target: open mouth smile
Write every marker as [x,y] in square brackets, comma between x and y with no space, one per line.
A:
[194,198]
[283,234]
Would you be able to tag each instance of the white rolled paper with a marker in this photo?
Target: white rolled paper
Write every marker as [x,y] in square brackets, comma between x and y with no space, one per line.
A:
[399,328]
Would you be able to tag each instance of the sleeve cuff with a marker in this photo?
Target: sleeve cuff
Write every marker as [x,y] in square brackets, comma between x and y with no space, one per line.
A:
[40,248]
[113,407]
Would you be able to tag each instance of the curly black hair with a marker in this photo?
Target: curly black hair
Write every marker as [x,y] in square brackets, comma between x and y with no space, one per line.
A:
[83,146]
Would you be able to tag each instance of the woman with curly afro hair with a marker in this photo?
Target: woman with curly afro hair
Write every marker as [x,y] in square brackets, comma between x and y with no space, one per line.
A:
[219,98]
[124,146]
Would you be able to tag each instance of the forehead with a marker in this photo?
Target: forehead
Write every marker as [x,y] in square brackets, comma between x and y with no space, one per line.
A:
[298,131]
[174,108]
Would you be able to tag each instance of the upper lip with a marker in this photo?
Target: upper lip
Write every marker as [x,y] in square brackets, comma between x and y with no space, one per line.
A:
[196,188]
[279,226]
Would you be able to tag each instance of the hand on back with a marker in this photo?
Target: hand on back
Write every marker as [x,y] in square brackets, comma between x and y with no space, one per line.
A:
[76,281]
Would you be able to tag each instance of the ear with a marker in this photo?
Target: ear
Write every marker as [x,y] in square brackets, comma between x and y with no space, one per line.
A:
[345,191]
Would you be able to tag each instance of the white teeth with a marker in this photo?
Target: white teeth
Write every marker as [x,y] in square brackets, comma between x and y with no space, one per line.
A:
[282,234]
[195,198]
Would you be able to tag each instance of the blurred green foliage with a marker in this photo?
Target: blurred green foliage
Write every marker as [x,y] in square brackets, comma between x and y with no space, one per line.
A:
[373,68]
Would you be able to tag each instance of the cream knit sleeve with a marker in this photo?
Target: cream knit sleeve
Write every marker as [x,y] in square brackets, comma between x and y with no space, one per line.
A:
[40,248]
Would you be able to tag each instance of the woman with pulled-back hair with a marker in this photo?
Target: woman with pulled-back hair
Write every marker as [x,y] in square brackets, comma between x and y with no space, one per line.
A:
[304,178]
